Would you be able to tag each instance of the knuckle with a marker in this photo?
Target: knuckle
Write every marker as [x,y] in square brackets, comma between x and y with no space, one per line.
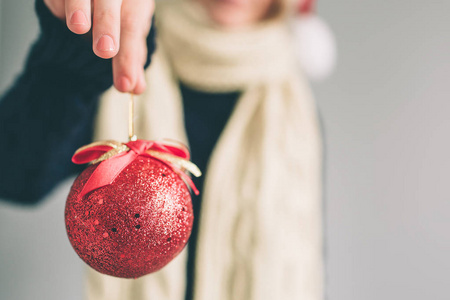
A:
[131,24]
[107,16]
[125,59]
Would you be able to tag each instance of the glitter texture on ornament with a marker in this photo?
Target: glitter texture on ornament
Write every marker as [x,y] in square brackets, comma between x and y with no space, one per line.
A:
[134,226]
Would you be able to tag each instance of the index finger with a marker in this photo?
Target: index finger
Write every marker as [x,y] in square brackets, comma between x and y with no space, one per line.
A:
[106,27]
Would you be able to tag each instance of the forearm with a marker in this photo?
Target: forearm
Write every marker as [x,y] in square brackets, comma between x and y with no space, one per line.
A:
[40,130]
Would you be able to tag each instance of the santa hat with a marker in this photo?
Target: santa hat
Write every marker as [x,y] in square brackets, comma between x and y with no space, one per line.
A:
[314,42]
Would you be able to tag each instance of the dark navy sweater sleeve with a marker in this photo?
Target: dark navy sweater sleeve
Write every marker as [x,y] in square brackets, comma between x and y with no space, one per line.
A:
[49,111]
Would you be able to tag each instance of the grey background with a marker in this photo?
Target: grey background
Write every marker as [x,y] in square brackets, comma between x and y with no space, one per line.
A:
[387,121]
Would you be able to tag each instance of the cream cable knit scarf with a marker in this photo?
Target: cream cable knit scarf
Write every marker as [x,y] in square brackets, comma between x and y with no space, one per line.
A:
[261,224]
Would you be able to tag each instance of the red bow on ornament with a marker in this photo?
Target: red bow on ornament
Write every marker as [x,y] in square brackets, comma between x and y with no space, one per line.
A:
[114,157]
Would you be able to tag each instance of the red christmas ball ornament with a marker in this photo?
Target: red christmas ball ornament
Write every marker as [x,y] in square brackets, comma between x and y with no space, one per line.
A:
[130,214]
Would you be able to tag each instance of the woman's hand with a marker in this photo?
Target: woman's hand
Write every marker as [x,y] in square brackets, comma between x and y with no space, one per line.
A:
[119,31]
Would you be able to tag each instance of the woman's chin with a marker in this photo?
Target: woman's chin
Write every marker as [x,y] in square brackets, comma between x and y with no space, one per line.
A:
[229,19]
[237,13]
[227,13]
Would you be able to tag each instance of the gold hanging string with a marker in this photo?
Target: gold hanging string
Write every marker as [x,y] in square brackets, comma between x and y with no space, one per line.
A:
[131,135]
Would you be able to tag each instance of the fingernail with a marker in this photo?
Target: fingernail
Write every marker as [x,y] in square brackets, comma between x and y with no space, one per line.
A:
[105,43]
[78,18]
